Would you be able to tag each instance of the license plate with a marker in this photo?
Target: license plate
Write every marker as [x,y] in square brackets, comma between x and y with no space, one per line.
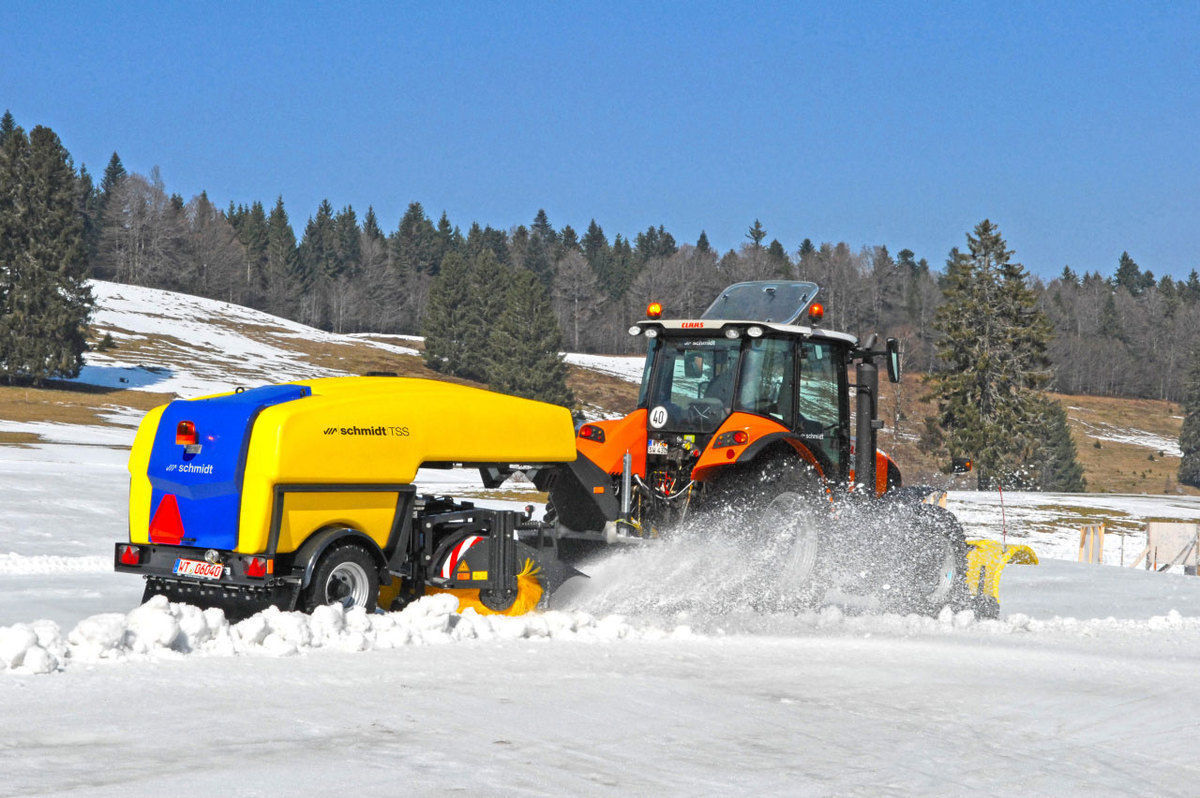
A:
[656,447]
[200,568]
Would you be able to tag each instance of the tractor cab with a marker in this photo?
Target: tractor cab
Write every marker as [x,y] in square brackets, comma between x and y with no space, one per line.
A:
[749,392]
[748,361]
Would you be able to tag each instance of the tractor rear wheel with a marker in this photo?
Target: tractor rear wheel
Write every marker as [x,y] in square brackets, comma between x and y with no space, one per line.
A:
[788,522]
[347,575]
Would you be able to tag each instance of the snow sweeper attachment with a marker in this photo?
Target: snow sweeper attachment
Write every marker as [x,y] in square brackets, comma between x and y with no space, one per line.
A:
[303,494]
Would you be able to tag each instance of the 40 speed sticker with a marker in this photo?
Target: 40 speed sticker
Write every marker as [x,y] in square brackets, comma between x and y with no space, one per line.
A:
[658,417]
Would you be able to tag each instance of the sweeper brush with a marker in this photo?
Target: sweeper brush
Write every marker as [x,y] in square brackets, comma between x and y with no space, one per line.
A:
[529,594]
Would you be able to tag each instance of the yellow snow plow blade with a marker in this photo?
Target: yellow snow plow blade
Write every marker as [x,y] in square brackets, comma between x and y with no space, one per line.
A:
[987,559]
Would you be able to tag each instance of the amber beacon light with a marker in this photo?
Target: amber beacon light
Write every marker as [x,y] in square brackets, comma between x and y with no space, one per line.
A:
[654,310]
[816,312]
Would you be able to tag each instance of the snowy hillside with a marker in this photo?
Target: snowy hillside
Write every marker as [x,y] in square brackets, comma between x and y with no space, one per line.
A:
[191,346]
[642,679]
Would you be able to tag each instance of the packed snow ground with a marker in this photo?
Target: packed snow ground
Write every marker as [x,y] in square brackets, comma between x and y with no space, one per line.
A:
[1085,685]
[598,696]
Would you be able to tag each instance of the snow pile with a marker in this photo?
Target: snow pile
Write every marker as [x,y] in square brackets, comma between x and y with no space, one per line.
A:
[162,629]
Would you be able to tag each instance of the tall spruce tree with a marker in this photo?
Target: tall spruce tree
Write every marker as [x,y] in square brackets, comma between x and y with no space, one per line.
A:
[45,300]
[486,294]
[281,259]
[1189,436]
[993,346]
[254,233]
[446,327]
[526,345]
[1055,466]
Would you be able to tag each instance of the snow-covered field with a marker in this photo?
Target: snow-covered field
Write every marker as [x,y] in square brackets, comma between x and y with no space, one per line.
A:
[1085,685]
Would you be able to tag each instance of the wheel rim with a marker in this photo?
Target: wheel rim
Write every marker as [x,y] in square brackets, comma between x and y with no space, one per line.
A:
[348,585]
[943,580]
[788,514]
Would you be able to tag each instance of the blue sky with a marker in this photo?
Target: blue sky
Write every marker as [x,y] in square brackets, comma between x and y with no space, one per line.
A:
[1075,127]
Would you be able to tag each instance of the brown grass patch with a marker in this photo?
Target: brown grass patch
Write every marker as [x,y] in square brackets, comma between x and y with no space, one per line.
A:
[1113,468]
[71,404]
[602,390]
[18,439]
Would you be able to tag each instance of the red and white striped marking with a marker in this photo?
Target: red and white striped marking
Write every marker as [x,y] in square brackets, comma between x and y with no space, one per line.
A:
[457,553]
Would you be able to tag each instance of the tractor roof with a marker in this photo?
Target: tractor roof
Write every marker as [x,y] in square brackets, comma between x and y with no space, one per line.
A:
[772,304]
[716,327]
[777,301]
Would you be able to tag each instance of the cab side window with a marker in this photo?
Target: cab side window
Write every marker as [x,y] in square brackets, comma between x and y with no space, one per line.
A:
[817,400]
[767,375]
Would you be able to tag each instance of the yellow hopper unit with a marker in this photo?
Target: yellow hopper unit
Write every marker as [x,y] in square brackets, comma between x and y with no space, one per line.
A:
[302,494]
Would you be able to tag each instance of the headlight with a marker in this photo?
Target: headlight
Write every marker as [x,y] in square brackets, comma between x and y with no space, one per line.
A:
[754,332]
[635,330]
[733,332]
[651,332]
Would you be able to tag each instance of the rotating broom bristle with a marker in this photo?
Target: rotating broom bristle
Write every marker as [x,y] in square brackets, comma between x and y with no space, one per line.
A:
[529,593]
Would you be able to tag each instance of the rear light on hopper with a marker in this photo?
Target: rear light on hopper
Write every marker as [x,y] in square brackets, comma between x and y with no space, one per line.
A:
[131,555]
[738,437]
[592,433]
[185,434]
[258,567]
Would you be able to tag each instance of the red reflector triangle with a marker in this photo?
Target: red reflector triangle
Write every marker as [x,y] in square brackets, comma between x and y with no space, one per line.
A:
[167,526]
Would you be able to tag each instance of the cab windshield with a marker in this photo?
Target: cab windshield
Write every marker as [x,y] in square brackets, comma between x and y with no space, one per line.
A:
[692,380]
[698,382]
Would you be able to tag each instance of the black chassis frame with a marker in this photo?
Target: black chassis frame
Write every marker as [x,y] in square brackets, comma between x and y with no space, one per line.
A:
[409,553]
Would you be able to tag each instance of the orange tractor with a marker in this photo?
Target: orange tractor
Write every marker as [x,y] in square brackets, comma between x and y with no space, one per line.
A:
[745,419]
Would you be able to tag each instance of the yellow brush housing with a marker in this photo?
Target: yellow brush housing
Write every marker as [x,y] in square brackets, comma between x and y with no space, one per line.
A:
[364,430]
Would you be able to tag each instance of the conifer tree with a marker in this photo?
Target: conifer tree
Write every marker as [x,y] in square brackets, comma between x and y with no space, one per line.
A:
[526,345]
[44,296]
[702,243]
[1056,465]
[487,292]
[756,234]
[414,244]
[1189,436]
[777,260]
[993,347]
[448,343]
[539,252]
[114,173]
[281,257]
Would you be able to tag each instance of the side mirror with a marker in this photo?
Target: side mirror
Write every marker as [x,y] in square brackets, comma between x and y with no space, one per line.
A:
[893,359]
[693,366]
[960,465]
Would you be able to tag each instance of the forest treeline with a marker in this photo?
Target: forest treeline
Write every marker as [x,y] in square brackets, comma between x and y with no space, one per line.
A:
[1116,334]
[1113,334]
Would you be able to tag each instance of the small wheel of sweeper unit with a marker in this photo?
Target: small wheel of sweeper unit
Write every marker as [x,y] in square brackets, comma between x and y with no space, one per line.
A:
[346,575]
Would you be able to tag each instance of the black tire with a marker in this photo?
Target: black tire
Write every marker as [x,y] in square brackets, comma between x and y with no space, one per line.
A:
[931,573]
[779,506]
[789,526]
[346,575]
